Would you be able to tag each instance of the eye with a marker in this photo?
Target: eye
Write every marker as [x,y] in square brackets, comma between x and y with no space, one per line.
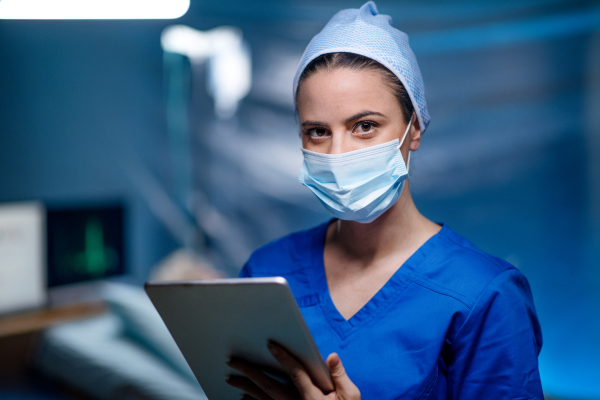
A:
[365,127]
[317,132]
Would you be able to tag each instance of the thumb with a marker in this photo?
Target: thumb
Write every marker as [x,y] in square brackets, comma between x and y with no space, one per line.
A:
[343,385]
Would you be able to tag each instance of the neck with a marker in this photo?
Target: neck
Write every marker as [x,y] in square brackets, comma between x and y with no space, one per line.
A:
[396,230]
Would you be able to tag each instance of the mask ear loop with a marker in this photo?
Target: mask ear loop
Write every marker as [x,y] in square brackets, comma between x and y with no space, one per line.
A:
[404,137]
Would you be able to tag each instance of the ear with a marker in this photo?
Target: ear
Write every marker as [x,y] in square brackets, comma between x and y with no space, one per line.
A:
[415,134]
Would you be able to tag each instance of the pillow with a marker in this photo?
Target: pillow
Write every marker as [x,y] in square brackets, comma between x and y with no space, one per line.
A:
[143,324]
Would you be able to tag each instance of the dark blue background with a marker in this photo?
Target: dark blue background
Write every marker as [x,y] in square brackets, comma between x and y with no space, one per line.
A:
[511,159]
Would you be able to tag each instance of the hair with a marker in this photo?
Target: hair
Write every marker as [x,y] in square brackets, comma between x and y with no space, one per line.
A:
[331,61]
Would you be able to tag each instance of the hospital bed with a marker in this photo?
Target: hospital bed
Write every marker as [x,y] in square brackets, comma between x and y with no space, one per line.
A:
[125,354]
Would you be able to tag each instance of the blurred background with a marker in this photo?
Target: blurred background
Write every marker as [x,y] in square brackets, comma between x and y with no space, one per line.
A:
[169,149]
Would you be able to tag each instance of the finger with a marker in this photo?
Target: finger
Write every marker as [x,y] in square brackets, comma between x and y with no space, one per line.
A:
[270,386]
[247,386]
[296,371]
[343,385]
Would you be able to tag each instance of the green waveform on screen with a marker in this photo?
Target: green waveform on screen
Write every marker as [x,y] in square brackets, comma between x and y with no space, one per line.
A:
[96,259]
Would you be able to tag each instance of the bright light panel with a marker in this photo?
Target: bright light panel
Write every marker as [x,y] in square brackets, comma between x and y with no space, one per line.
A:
[22,256]
[93,9]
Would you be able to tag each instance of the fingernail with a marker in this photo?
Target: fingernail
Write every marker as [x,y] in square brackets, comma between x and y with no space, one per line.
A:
[335,360]
[273,349]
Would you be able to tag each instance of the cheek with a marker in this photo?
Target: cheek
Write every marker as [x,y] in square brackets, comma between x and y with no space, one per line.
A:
[304,140]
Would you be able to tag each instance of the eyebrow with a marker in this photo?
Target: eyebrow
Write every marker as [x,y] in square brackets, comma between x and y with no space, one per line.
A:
[363,114]
[314,123]
[347,121]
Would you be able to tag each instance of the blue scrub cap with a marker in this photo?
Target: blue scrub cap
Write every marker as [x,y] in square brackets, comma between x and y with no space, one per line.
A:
[366,32]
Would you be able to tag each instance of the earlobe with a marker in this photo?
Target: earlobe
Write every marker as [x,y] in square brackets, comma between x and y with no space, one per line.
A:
[415,134]
[415,142]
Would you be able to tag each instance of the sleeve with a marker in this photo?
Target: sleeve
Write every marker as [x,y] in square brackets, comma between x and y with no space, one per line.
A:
[494,354]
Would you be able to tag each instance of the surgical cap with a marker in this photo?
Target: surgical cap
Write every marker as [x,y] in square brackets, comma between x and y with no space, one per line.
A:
[366,32]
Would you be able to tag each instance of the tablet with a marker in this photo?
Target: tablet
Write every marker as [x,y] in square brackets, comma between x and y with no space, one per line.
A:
[214,320]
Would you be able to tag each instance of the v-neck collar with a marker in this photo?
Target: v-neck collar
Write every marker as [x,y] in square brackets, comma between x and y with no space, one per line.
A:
[383,298]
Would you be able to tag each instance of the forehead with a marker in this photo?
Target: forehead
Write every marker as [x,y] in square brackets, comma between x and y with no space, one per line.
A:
[342,91]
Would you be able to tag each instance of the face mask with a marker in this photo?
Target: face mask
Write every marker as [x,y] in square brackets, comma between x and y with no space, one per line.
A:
[358,185]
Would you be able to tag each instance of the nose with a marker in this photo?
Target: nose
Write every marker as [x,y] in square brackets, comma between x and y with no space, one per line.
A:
[339,142]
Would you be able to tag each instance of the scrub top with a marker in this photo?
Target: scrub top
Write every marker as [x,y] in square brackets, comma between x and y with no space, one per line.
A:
[452,323]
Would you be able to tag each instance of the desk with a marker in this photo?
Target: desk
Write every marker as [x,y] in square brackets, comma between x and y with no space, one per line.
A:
[37,320]
[19,335]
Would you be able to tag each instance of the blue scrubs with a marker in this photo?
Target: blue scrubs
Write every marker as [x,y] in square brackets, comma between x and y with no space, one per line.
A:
[451,323]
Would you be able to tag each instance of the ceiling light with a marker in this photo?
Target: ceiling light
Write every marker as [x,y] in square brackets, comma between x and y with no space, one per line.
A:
[93,9]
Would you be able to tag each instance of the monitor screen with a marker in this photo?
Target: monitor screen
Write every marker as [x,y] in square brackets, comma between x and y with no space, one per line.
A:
[85,244]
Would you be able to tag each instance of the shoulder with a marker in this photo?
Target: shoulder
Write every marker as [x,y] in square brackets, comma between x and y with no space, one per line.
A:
[285,254]
[463,271]
[497,295]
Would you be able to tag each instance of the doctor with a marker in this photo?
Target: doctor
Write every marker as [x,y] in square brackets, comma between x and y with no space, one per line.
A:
[414,310]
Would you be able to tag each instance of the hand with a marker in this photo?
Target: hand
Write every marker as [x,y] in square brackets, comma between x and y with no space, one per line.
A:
[260,386]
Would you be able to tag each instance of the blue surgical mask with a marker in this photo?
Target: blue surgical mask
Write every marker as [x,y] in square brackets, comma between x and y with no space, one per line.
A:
[358,185]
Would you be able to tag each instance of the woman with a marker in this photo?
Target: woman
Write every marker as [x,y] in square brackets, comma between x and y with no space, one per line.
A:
[414,310]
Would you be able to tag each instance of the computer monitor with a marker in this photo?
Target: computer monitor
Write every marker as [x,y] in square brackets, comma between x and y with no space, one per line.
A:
[85,243]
